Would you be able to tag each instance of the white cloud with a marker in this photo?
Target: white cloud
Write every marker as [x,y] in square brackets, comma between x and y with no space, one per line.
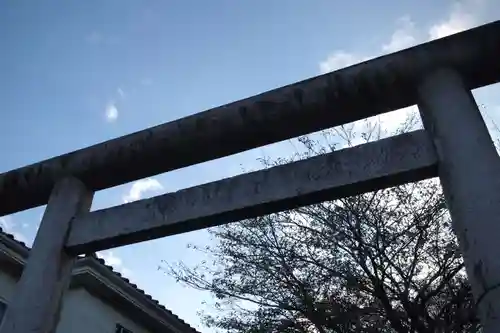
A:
[339,59]
[120,92]
[111,112]
[9,227]
[140,187]
[403,37]
[463,15]
[6,223]
[146,81]
[110,258]
[126,272]
[114,261]
[461,18]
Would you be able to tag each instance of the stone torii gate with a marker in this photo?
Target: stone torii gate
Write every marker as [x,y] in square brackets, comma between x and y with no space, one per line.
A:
[437,76]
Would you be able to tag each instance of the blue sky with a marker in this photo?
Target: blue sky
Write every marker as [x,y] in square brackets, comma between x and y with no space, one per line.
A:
[75,73]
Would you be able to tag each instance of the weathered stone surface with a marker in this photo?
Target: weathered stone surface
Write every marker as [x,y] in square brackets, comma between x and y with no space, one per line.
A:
[373,87]
[469,170]
[47,273]
[384,163]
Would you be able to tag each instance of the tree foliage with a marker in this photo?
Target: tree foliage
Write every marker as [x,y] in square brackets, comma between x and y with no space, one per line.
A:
[385,261]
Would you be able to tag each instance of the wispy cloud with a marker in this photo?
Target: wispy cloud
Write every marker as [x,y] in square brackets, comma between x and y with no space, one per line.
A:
[461,18]
[111,112]
[114,261]
[339,59]
[140,187]
[403,37]
[146,81]
[120,92]
[390,121]
[8,226]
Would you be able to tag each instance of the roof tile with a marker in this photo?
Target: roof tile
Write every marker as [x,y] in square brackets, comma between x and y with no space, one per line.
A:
[102,262]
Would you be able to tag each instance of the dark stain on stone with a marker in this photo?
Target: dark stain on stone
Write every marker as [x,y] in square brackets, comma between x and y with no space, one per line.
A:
[465,240]
[478,274]
[298,96]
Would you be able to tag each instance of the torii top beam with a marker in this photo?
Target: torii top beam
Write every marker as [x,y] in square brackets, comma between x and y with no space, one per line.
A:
[373,87]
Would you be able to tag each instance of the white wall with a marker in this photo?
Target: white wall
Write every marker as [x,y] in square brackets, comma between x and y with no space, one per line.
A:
[81,312]
[7,284]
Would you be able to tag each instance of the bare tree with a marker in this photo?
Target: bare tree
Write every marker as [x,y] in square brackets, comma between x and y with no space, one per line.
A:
[385,261]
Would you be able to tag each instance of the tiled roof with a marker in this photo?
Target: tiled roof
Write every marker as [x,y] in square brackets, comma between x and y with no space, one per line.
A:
[110,268]
[12,237]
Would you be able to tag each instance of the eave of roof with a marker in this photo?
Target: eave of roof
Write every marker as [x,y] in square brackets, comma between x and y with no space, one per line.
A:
[93,274]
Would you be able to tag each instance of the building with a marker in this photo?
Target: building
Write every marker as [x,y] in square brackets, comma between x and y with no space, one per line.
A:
[99,299]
